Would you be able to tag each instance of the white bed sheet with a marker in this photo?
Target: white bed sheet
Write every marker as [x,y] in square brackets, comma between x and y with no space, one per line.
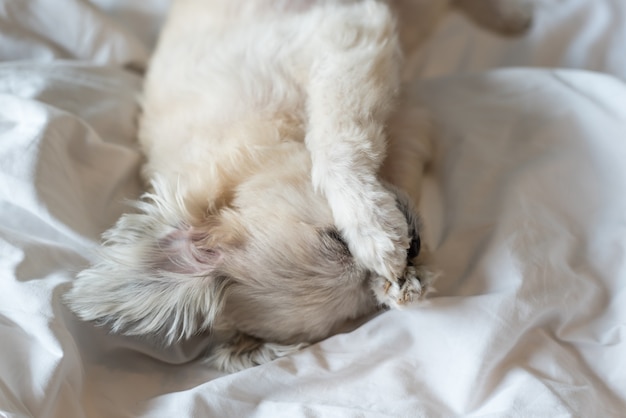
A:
[524,208]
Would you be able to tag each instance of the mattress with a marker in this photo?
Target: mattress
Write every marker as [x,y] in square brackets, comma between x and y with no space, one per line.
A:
[524,209]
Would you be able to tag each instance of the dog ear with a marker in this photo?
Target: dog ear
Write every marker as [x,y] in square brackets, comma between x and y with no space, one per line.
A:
[184,251]
[155,275]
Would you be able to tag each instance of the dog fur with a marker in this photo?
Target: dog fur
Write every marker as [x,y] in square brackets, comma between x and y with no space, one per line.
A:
[265,126]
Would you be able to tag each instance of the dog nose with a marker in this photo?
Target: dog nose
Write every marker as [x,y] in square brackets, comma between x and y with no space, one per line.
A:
[414,248]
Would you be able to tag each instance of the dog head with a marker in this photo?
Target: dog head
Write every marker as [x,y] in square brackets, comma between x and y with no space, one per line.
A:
[269,262]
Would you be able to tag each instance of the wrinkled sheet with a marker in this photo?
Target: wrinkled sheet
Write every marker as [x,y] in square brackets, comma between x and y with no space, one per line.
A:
[524,208]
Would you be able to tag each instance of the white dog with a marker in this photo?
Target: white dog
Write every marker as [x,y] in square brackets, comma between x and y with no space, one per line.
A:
[265,129]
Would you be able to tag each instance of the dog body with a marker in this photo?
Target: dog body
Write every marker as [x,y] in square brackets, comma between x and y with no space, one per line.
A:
[264,127]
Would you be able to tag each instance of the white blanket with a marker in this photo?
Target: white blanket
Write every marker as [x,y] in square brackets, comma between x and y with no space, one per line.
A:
[524,207]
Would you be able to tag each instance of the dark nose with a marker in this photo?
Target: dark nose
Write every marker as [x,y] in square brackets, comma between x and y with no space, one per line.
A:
[414,248]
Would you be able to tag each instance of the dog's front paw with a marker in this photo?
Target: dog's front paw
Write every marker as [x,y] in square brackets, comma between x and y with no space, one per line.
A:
[506,17]
[413,286]
[378,236]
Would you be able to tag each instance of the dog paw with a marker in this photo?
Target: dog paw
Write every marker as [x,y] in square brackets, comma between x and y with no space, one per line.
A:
[413,286]
[244,351]
[378,236]
[506,17]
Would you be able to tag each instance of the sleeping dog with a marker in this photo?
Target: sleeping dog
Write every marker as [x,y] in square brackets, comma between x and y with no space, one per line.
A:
[272,216]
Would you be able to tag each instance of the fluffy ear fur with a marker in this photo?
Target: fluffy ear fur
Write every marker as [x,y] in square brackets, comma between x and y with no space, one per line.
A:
[156,274]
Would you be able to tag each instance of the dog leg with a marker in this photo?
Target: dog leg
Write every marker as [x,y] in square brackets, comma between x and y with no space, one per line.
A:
[507,17]
[411,148]
[352,86]
[244,351]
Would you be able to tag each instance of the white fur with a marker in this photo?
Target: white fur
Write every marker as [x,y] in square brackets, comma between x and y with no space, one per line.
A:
[148,261]
[284,79]
[265,130]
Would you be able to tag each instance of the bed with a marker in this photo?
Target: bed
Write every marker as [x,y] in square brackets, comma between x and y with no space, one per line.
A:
[524,209]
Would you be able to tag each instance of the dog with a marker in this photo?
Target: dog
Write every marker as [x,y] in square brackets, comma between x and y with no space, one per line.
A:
[272,215]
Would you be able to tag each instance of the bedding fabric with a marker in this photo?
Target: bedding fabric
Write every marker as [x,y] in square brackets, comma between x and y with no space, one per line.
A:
[523,206]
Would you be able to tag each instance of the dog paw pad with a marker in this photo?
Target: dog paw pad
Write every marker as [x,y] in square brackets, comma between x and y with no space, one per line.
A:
[410,288]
